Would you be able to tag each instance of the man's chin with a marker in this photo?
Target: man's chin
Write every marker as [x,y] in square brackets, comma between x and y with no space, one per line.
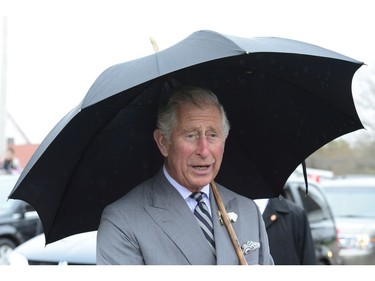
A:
[200,183]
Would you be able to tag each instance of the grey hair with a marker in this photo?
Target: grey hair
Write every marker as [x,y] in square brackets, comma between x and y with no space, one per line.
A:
[167,114]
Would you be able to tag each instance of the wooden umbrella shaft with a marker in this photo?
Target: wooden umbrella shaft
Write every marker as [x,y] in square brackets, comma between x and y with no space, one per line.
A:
[228,224]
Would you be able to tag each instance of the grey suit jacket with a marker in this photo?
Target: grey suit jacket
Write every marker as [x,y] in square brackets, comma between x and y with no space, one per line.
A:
[152,224]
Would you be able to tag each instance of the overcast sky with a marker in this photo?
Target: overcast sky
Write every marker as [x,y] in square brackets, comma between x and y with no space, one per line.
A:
[56,51]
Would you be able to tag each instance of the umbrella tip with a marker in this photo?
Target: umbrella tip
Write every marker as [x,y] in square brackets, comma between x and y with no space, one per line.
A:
[154,44]
[305,176]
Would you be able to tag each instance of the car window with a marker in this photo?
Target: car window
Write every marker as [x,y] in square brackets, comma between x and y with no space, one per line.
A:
[314,204]
[352,202]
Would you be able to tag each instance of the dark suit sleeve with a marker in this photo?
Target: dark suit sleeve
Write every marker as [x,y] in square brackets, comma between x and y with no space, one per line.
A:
[265,257]
[308,249]
[303,238]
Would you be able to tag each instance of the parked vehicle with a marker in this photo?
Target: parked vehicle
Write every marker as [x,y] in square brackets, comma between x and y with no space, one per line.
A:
[352,199]
[320,216]
[79,249]
[18,220]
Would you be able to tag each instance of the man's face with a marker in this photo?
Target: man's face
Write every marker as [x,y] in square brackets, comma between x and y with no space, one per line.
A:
[195,152]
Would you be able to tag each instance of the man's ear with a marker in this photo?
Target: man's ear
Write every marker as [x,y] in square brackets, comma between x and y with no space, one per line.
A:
[162,142]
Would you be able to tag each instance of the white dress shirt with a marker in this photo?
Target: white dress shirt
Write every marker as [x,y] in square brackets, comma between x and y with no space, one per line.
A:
[262,204]
[185,193]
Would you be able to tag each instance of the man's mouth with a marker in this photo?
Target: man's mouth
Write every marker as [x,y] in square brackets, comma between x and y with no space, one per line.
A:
[201,168]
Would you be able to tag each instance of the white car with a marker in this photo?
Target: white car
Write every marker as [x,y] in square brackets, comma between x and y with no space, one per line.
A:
[352,200]
[18,220]
[79,249]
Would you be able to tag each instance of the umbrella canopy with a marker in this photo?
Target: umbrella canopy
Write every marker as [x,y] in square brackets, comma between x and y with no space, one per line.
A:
[284,100]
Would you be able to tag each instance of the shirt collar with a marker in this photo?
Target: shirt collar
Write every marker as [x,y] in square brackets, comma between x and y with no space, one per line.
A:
[262,203]
[185,193]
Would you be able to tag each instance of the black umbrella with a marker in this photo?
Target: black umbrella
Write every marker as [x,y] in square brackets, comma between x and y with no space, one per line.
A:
[284,99]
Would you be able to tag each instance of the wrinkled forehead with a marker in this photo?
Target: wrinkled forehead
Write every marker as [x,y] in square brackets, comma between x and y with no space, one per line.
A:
[190,115]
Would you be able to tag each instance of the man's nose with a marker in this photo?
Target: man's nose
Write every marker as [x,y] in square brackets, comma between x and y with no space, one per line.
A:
[202,147]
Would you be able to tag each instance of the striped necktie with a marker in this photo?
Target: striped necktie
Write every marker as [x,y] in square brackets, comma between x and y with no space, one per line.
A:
[204,219]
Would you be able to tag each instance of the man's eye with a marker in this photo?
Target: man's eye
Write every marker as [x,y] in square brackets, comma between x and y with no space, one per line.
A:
[212,136]
[191,136]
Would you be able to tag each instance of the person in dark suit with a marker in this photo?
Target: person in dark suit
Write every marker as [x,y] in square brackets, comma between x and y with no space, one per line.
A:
[289,232]
[155,223]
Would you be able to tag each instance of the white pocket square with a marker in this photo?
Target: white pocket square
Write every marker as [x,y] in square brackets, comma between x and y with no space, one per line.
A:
[250,246]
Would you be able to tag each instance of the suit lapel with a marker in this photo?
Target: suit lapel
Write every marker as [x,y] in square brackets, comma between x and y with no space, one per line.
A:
[171,213]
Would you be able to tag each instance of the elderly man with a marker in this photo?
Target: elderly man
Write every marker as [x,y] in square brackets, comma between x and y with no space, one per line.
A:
[172,218]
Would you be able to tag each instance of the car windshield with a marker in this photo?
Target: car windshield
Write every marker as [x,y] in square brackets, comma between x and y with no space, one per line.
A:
[352,202]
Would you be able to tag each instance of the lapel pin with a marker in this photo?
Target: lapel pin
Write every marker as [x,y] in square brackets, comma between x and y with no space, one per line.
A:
[231,215]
